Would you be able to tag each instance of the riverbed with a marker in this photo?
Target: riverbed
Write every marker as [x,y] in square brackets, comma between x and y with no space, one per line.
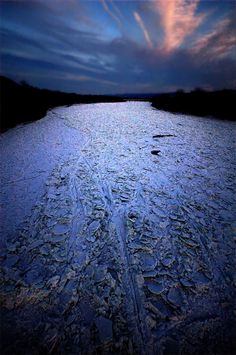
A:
[118,232]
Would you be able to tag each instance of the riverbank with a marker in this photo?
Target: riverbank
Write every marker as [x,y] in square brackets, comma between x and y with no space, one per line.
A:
[216,104]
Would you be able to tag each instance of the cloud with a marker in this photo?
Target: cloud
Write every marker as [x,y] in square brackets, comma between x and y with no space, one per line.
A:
[217,43]
[179,20]
[57,52]
[143,28]
[88,78]
[111,13]
[116,9]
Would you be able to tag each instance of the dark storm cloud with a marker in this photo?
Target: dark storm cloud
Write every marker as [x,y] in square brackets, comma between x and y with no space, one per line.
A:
[69,46]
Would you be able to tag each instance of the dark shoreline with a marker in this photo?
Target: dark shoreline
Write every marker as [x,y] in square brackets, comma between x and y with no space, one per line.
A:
[215,104]
[22,103]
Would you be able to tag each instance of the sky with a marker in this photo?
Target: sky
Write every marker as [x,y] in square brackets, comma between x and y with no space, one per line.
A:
[115,47]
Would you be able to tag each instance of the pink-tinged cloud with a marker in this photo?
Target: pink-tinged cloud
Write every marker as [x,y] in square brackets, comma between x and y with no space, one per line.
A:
[216,44]
[143,28]
[179,20]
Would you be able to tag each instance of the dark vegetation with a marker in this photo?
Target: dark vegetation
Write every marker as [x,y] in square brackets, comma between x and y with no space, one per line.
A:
[24,103]
[219,104]
[20,103]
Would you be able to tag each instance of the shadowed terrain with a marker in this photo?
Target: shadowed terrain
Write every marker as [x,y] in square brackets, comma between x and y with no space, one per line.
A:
[20,103]
[218,104]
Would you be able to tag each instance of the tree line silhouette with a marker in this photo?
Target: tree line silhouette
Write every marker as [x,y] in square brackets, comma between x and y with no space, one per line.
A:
[21,102]
[218,104]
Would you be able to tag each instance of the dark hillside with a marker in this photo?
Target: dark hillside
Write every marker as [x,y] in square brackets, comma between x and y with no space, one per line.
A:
[23,103]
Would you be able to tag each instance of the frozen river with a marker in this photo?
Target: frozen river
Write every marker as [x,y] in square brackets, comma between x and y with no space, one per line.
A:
[118,233]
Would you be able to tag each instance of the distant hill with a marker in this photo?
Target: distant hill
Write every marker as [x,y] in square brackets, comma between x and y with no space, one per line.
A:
[23,103]
[218,104]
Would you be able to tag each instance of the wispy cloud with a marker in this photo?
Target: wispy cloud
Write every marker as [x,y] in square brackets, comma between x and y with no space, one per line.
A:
[179,20]
[60,52]
[116,9]
[143,28]
[88,78]
[218,42]
[111,13]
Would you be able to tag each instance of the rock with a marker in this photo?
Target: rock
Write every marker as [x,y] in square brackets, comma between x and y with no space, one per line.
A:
[132,216]
[58,238]
[87,312]
[104,327]
[155,288]
[186,282]
[164,225]
[167,261]
[174,296]
[11,260]
[35,244]
[124,198]
[100,274]
[154,310]
[70,274]
[163,135]
[33,276]
[155,152]
[59,229]
[139,247]
[11,248]
[151,323]
[58,257]
[150,274]
[94,227]
[44,250]
[169,346]
[148,262]
[91,238]
[189,242]
[199,278]
[53,282]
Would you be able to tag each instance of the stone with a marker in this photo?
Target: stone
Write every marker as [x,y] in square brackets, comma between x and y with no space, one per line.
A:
[167,261]
[59,229]
[91,238]
[174,296]
[155,152]
[33,276]
[151,323]
[148,262]
[35,244]
[104,327]
[100,274]
[150,274]
[186,282]
[58,239]
[94,227]
[11,260]
[154,310]
[155,288]
[163,135]
[53,281]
